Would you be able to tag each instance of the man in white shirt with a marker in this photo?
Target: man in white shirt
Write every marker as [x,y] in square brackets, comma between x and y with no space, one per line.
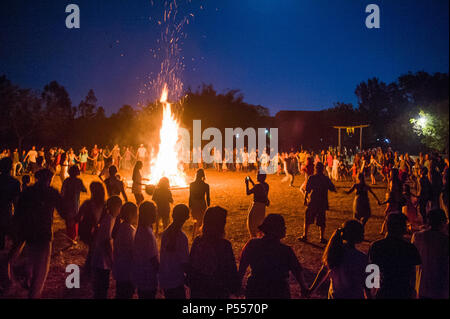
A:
[141,153]
[31,157]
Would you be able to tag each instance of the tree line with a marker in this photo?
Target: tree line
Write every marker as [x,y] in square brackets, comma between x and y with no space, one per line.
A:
[49,118]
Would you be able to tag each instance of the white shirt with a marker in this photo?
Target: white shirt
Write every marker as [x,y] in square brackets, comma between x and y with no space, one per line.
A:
[141,152]
[32,155]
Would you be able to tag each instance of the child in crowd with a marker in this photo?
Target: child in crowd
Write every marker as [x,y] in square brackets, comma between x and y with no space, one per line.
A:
[102,253]
[123,251]
[163,198]
[174,255]
[145,265]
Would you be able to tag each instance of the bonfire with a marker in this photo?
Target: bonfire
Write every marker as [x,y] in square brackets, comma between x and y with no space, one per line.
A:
[167,162]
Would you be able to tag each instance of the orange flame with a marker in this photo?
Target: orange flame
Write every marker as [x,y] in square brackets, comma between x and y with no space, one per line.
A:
[167,163]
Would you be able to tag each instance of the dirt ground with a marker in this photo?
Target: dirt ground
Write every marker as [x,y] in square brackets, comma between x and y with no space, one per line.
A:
[227,190]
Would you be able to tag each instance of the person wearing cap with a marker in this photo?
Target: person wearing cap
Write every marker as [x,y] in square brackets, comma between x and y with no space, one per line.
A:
[433,245]
[270,262]
[318,186]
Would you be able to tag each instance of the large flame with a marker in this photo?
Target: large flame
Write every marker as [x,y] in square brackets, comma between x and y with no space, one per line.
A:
[166,163]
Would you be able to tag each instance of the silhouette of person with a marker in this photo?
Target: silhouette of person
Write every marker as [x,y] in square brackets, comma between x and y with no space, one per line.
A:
[397,260]
[343,264]
[361,205]
[34,217]
[318,186]
[212,267]
[70,192]
[114,186]
[199,199]
[257,210]
[433,247]
[9,194]
[270,262]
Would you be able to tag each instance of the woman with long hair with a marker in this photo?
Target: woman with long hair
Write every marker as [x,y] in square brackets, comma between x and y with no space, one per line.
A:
[395,200]
[123,251]
[212,270]
[344,264]
[136,187]
[361,205]
[257,210]
[199,199]
[162,196]
[373,164]
[89,216]
[145,253]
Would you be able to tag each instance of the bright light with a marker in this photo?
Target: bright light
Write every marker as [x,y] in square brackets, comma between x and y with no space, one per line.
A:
[422,121]
[166,163]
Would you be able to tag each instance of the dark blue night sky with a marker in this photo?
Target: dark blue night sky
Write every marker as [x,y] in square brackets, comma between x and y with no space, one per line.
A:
[282,54]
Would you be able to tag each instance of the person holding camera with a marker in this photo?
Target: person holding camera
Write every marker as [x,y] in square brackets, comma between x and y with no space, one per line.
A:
[257,211]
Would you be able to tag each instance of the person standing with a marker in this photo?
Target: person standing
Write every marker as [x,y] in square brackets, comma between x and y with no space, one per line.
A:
[115,155]
[114,186]
[89,215]
[291,168]
[9,195]
[145,266]
[344,264]
[361,204]
[16,165]
[436,185]
[257,211]
[199,199]
[123,252]
[271,262]
[102,249]
[141,153]
[318,186]
[212,267]
[162,196]
[34,219]
[433,246]
[70,192]
[31,159]
[83,157]
[94,159]
[174,255]
[424,194]
[397,260]
[136,187]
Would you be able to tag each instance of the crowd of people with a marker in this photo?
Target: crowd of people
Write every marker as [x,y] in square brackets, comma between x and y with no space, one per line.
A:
[121,236]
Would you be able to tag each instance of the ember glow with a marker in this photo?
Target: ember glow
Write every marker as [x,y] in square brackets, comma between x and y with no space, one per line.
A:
[167,163]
